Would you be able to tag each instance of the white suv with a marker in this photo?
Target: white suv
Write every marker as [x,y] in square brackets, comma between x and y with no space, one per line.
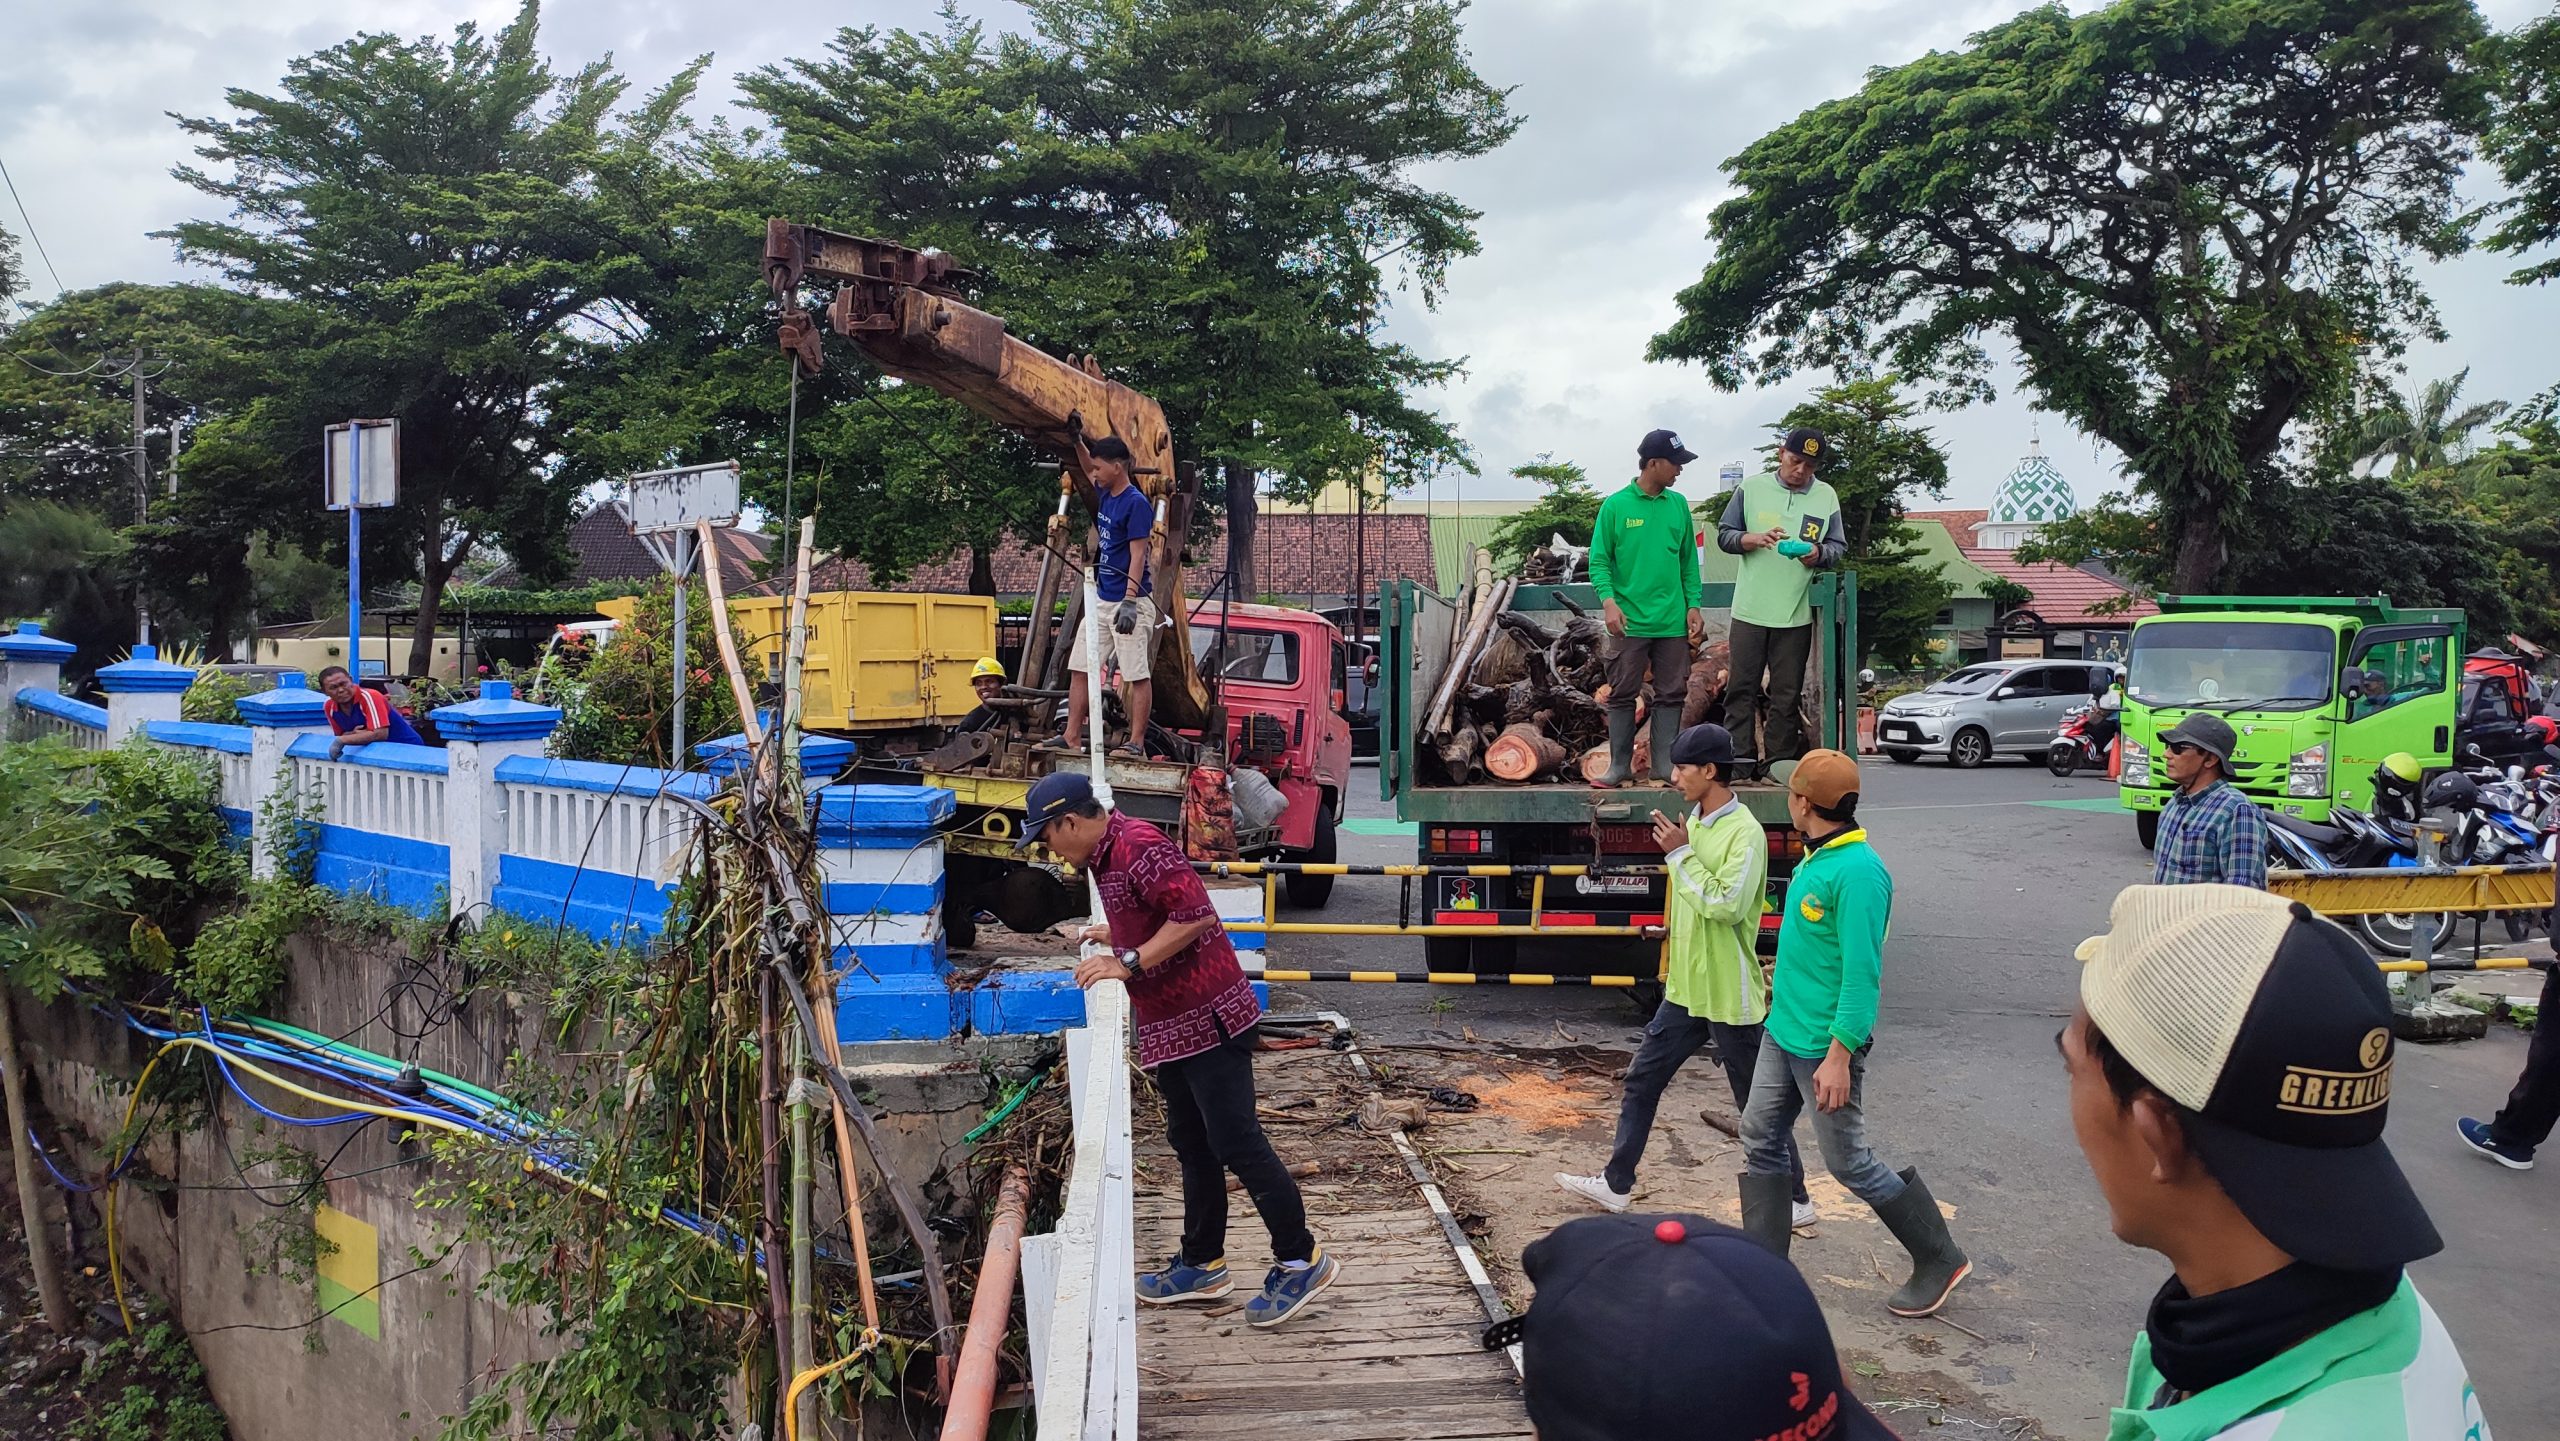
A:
[1972,714]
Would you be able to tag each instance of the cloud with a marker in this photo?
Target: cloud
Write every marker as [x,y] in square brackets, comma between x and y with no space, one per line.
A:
[1593,216]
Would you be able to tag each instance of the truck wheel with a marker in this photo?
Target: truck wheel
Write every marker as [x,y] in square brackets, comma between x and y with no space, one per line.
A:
[1311,892]
[1971,749]
[2146,824]
[1447,955]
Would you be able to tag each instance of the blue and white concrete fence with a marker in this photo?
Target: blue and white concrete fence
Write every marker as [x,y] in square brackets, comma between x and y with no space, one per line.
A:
[487,825]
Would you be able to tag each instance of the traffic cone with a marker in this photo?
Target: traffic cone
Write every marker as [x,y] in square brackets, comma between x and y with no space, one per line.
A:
[2115,757]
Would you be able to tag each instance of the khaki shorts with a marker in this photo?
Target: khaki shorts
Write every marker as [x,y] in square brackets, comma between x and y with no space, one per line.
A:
[1129,653]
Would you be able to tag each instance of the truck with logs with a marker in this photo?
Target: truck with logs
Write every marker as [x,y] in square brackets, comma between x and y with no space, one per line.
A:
[1490,724]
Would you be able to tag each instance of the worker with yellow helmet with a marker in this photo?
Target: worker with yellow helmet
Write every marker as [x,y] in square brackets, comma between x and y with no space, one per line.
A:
[988,679]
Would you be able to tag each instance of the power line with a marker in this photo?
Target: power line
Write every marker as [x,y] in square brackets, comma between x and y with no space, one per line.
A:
[29,222]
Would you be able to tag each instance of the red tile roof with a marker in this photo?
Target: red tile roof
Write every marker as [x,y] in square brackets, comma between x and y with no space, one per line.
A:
[1962,524]
[605,549]
[2063,594]
[1292,553]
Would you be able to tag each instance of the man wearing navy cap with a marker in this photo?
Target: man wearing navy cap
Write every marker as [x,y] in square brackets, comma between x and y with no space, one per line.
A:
[1784,526]
[1674,1328]
[1195,1014]
[1644,564]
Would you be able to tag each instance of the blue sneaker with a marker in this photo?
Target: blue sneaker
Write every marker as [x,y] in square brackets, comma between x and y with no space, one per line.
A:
[1286,1291]
[1181,1281]
[2475,1134]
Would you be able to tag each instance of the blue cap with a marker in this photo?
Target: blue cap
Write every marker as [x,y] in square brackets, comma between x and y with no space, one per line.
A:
[1051,797]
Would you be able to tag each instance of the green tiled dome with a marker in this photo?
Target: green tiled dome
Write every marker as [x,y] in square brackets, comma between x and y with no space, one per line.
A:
[2034,493]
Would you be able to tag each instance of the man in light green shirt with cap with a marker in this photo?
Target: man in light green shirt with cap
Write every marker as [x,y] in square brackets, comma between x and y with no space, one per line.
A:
[1784,526]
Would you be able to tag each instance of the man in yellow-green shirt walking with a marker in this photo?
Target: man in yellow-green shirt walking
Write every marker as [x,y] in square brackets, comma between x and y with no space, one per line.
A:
[1785,526]
[1715,991]
[1644,564]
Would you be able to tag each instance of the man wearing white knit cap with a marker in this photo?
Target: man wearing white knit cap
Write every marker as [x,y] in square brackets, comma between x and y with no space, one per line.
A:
[2230,1066]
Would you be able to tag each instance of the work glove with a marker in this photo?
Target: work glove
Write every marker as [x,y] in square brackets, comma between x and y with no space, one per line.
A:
[1125,620]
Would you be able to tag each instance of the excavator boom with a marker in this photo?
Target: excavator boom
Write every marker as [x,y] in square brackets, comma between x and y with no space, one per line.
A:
[904,309]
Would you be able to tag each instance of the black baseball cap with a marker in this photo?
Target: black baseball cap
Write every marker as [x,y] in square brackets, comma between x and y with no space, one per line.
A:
[1703,745]
[1052,796]
[2274,1027]
[1648,1327]
[1807,443]
[1664,445]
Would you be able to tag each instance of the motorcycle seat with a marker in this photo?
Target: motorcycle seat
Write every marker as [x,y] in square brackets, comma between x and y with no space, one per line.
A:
[2321,836]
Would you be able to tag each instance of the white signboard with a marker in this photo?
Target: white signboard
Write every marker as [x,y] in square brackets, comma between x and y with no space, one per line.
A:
[1731,475]
[364,455]
[672,500]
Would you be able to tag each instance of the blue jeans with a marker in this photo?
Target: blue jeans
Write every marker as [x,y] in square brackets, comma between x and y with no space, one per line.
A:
[1670,1039]
[1783,1088]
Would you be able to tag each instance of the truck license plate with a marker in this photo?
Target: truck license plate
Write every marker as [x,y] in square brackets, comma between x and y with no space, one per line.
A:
[1611,885]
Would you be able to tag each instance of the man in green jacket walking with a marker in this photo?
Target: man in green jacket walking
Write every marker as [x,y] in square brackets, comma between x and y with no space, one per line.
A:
[2230,1071]
[1785,527]
[1644,564]
[1715,993]
[1822,1018]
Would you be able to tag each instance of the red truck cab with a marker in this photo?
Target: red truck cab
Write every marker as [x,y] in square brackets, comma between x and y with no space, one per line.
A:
[1281,675]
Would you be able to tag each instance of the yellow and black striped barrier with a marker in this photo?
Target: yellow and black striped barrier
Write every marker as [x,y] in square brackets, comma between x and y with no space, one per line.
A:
[1536,919]
[2397,890]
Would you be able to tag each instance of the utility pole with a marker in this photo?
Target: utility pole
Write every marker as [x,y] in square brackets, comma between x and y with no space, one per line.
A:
[141,479]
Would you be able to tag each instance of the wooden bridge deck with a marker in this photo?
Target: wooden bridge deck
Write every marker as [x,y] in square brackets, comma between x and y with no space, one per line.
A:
[1389,1352]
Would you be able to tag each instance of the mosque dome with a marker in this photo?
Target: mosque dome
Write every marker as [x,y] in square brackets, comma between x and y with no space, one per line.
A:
[2033,494]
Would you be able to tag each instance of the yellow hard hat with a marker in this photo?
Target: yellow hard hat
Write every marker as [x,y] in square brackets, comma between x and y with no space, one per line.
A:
[987,665]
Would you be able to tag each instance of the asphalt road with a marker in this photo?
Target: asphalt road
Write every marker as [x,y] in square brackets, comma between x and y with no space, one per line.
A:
[1999,874]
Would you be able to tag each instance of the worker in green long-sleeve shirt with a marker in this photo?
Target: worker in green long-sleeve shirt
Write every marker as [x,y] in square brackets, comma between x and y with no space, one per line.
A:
[1822,1020]
[1644,564]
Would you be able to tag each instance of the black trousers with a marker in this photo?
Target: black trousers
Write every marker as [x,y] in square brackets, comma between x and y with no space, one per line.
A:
[1781,653]
[2534,1105]
[1670,1039]
[1208,1116]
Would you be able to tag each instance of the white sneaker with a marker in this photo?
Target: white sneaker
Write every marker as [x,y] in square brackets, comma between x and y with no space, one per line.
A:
[1595,1189]
[1805,1216]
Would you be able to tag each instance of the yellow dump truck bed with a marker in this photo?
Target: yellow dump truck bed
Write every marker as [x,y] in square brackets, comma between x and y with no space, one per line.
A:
[877,660]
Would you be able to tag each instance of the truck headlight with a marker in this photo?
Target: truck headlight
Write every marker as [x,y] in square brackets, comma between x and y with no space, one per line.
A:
[2309,773]
[2134,765]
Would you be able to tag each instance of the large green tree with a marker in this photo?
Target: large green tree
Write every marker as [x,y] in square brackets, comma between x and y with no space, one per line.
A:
[2195,221]
[445,228]
[1569,508]
[1203,193]
[2524,141]
[1877,459]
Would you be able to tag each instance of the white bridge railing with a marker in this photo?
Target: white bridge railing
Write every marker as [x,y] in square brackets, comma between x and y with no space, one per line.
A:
[43,714]
[1079,1282]
[383,795]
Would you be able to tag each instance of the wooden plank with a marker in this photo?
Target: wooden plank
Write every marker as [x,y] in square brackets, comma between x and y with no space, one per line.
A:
[1474,1417]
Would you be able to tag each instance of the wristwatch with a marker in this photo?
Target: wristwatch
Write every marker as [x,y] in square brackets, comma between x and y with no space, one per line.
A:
[1129,958]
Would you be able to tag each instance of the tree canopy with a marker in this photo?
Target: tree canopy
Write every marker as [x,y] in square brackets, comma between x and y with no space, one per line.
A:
[1203,193]
[2195,221]
[1570,508]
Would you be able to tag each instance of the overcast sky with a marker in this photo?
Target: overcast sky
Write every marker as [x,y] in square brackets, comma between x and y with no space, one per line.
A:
[1594,215]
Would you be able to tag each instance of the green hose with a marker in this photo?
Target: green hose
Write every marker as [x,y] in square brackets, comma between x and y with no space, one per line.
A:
[1012,1103]
[320,1042]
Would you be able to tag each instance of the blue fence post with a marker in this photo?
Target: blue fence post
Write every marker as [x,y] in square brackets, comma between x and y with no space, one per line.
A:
[141,690]
[478,734]
[274,718]
[29,660]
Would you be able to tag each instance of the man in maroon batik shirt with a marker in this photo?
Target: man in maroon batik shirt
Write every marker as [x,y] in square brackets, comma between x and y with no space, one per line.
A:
[1195,1017]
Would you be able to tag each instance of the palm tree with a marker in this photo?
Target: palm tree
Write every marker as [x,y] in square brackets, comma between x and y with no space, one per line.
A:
[2422,431]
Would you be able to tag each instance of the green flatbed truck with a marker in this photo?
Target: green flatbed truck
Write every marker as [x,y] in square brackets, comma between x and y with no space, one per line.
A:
[2319,688]
[1564,821]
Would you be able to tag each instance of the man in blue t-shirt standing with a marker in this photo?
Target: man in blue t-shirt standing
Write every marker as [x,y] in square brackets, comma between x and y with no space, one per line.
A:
[358,716]
[1124,522]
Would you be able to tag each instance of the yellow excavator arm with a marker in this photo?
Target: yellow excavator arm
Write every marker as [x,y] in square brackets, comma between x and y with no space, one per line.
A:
[904,309]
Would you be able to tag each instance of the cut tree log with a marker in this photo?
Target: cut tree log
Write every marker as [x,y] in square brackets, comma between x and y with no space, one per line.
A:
[1523,752]
[1459,754]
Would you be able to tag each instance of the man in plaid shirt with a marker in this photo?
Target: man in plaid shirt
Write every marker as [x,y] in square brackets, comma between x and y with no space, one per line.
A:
[2209,831]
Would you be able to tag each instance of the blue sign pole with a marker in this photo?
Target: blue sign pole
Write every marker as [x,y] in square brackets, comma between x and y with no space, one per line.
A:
[355,553]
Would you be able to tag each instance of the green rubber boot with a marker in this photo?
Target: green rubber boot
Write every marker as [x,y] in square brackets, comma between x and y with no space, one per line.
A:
[1768,1209]
[1936,1264]
[1622,748]
[1666,731]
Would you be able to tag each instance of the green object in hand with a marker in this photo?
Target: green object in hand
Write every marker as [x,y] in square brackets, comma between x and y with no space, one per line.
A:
[1793,548]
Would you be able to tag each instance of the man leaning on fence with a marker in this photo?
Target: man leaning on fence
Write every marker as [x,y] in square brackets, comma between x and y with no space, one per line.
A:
[1195,1015]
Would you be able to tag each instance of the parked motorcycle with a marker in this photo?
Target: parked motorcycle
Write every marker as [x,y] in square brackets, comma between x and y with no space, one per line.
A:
[2086,737]
[2355,840]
